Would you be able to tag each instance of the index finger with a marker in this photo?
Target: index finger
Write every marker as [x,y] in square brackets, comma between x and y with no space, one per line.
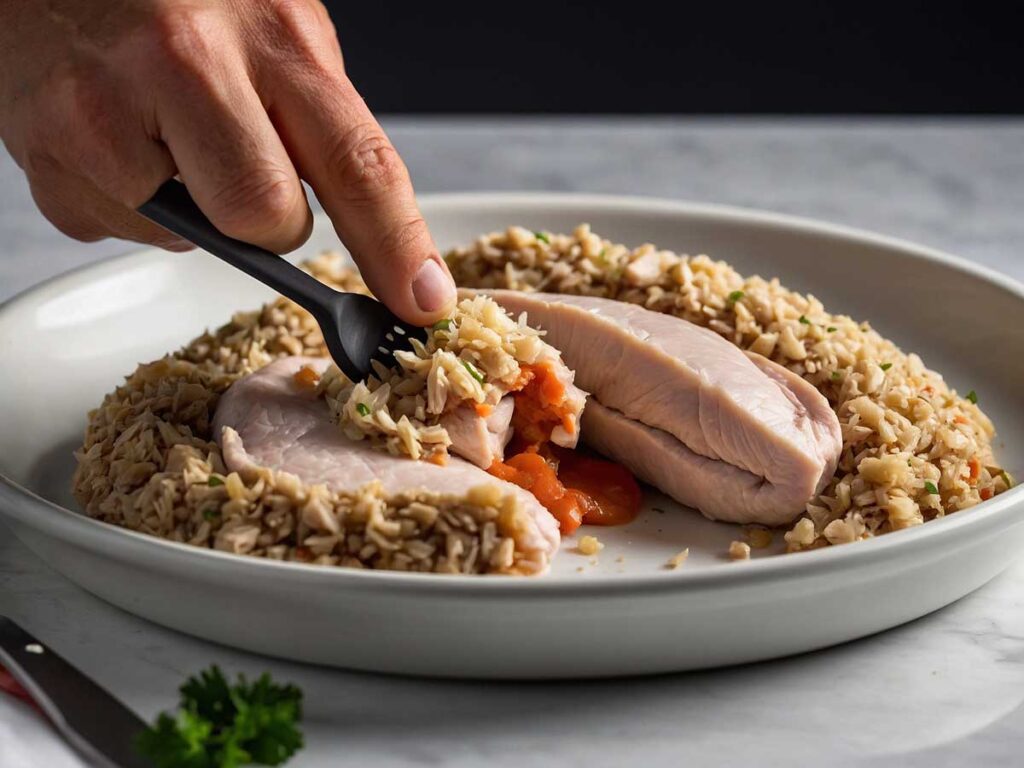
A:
[364,186]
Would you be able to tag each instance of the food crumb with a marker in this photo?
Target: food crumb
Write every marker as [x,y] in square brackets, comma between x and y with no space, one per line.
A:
[677,560]
[580,569]
[620,559]
[757,536]
[307,377]
[739,550]
[589,545]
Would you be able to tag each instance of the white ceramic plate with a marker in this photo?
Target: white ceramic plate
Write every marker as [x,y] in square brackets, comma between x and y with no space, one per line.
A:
[67,342]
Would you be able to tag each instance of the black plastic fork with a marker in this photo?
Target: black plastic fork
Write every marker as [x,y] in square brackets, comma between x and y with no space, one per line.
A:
[356,328]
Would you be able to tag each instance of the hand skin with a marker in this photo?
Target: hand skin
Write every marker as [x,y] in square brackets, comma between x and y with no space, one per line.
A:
[101,101]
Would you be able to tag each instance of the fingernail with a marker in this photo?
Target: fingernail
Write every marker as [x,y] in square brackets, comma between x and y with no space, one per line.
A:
[433,287]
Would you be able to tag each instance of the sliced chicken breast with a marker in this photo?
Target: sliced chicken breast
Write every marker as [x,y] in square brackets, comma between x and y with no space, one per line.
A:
[266,419]
[480,439]
[734,435]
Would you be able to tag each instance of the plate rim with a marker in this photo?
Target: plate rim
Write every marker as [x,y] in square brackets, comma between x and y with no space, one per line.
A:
[76,529]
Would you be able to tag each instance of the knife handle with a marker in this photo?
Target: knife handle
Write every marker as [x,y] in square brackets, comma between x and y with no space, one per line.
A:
[97,725]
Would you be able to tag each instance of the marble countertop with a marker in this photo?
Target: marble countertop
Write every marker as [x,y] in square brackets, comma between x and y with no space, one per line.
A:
[946,690]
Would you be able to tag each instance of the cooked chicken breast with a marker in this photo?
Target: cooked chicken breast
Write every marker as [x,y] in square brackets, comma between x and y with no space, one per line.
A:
[480,439]
[268,420]
[734,435]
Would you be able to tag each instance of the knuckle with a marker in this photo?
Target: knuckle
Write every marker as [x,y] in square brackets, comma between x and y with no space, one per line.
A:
[298,17]
[261,203]
[304,37]
[366,164]
[184,36]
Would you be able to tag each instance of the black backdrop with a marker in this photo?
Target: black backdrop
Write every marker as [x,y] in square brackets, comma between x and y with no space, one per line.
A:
[637,56]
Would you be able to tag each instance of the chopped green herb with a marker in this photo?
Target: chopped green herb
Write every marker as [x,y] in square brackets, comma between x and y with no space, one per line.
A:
[831,329]
[542,237]
[909,464]
[363,409]
[219,725]
[603,254]
[973,396]
[930,487]
[210,514]
[735,296]
[804,320]
[885,366]
[473,371]
[214,481]
[1006,478]
[837,375]
[443,325]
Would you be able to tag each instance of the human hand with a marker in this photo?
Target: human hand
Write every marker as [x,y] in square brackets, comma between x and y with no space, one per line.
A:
[101,102]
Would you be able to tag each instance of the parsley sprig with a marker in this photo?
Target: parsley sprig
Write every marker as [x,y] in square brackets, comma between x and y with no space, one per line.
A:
[219,725]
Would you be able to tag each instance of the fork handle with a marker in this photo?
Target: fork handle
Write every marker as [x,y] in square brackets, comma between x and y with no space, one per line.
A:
[174,209]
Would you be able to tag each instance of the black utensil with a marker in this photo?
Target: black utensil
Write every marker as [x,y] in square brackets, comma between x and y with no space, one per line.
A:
[98,726]
[356,328]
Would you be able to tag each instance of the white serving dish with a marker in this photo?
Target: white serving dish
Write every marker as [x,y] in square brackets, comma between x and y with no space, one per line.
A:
[67,342]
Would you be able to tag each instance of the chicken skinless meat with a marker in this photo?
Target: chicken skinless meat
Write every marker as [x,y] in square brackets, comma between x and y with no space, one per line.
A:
[730,433]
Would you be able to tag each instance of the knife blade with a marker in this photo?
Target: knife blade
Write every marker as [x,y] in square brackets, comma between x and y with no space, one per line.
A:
[98,726]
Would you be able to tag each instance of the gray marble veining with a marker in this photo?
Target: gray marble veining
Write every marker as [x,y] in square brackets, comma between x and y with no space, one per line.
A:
[946,690]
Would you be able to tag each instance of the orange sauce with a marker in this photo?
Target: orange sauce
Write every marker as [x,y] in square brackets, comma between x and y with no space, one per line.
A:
[575,489]
[532,471]
[612,487]
[540,404]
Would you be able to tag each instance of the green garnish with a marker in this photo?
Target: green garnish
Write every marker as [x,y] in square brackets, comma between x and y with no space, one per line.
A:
[1006,478]
[735,296]
[214,481]
[837,375]
[930,487]
[909,464]
[542,237]
[210,514]
[831,329]
[885,366]
[443,325]
[219,725]
[804,320]
[363,409]
[602,254]
[972,396]
[473,371]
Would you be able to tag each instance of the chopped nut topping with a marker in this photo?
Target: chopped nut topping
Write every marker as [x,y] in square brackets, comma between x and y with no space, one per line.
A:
[677,560]
[589,545]
[739,550]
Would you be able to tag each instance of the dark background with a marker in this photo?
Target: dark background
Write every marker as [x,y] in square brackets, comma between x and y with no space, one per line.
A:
[827,57]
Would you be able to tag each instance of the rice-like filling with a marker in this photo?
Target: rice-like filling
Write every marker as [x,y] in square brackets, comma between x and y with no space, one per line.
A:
[476,356]
[913,449]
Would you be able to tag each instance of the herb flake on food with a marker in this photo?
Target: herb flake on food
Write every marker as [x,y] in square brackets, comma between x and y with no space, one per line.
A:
[837,375]
[542,237]
[443,325]
[363,409]
[735,296]
[210,514]
[831,329]
[1006,478]
[804,320]
[885,366]
[930,487]
[220,725]
[473,371]
[214,481]
[972,396]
